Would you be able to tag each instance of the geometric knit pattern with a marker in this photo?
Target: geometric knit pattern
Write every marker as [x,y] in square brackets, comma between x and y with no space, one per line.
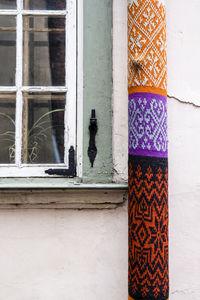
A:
[148,151]
[148,228]
[147,125]
[147,58]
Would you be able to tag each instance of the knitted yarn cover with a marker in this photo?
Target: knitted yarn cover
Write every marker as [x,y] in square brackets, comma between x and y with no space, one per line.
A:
[148,151]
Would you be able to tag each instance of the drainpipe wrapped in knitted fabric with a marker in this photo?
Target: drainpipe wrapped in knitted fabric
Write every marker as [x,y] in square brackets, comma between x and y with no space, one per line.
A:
[148,151]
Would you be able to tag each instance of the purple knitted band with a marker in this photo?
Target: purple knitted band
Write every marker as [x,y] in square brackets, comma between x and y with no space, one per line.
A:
[148,125]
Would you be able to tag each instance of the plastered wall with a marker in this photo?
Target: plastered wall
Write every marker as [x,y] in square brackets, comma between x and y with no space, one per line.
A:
[63,255]
[69,254]
[184,147]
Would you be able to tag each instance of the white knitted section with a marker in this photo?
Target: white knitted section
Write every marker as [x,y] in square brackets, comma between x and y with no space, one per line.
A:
[162,1]
[137,2]
[133,1]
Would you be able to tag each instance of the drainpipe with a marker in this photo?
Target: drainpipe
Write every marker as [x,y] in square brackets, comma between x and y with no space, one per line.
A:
[148,151]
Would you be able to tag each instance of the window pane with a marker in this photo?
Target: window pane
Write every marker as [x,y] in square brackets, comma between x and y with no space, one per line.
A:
[7,128]
[43,128]
[7,50]
[45,4]
[44,51]
[7,4]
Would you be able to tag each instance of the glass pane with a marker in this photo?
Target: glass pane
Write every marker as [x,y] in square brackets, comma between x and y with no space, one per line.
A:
[7,50]
[7,4]
[7,128]
[43,128]
[45,4]
[44,51]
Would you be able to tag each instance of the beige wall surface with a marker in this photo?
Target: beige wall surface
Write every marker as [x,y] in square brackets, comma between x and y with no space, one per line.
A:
[71,254]
[63,254]
[184,147]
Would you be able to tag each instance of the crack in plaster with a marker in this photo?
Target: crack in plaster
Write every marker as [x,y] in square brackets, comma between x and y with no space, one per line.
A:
[119,177]
[184,291]
[183,101]
[179,292]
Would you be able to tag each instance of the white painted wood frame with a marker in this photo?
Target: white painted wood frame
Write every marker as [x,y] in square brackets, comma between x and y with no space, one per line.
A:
[38,170]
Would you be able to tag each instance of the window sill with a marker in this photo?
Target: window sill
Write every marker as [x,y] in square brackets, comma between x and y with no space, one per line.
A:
[59,194]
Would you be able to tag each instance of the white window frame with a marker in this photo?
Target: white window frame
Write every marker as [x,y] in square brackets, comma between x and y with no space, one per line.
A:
[38,170]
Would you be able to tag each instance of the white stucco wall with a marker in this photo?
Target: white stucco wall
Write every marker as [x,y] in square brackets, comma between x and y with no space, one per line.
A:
[63,254]
[184,147]
[70,255]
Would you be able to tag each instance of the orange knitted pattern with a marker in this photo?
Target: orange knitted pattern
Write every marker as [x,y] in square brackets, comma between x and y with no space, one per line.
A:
[147,47]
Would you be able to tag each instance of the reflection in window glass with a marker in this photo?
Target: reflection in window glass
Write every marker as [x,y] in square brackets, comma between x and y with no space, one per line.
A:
[44,51]
[7,50]
[7,128]
[43,128]
[8,4]
[45,4]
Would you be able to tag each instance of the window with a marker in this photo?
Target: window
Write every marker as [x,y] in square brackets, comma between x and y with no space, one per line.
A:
[37,86]
[46,100]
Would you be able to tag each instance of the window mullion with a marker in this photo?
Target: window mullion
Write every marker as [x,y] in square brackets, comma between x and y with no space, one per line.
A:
[41,89]
[22,88]
[9,12]
[44,12]
[70,67]
[19,100]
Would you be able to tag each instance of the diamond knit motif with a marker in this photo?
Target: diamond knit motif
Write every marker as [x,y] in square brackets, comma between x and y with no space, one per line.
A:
[147,44]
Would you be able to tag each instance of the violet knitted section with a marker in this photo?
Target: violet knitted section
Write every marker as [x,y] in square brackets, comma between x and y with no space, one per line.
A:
[148,125]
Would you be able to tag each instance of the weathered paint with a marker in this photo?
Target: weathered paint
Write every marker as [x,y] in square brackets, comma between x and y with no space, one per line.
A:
[97,85]
[120,92]
[62,198]
[54,183]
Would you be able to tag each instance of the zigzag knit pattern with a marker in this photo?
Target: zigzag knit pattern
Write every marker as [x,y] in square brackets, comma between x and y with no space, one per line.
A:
[148,228]
[148,151]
